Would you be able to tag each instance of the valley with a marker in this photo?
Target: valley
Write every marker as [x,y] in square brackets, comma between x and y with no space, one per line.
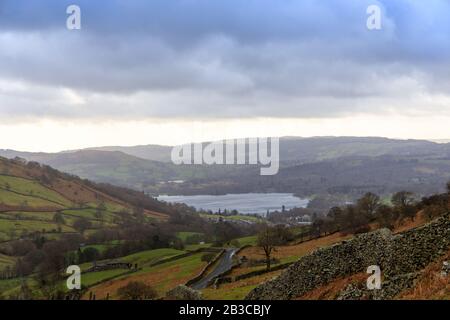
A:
[208,246]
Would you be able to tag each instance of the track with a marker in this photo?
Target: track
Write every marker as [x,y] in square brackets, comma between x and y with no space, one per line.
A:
[225,263]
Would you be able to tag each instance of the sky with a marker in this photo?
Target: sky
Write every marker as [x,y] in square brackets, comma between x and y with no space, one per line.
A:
[175,71]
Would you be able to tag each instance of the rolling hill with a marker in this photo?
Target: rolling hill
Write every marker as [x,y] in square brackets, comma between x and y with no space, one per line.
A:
[314,149]
[336,165]
[32,195]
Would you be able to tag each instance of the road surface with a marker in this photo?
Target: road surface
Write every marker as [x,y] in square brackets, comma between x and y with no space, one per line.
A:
[225,263]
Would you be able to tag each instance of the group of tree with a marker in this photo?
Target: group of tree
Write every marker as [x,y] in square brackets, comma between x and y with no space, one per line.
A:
[136,290]
[404,205]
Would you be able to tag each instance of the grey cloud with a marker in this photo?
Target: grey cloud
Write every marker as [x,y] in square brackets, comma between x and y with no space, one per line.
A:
[220,58]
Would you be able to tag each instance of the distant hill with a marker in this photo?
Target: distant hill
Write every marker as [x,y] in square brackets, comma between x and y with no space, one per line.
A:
[348,165]
[103,166]
[326,148]
[148,152]
[314,149]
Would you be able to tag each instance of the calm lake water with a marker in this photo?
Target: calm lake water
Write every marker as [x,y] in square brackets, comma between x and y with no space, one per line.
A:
[245,203]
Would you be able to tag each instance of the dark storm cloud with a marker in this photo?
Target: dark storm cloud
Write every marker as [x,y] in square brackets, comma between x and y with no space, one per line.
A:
[221,58]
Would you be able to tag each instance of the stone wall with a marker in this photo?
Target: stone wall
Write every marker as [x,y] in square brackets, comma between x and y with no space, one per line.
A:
[396,255]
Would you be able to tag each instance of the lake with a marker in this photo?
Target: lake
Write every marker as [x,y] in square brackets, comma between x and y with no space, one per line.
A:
[245,203]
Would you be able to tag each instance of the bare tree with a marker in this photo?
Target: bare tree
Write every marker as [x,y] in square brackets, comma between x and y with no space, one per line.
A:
[369,204]
[404,203]
[269,238]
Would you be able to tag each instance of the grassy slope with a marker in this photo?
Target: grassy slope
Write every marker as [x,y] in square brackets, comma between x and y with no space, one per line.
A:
[162,277]
[6,261]
[185,234]
[35,206]
[32,188]
[149,257]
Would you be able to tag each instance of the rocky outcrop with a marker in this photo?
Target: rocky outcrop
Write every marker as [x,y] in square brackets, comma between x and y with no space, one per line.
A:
[445,272]
[183,293]
[396,255]
[389,289]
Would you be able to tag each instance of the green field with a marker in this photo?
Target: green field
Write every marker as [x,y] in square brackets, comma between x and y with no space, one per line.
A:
[162,277]
[14,199]
[19,226]
[6,261]
[33,189]
[143,258]
[149,257]
[193,247]
[9,285]
[251,240]
[24,215]
[174,271]
[183,235]
[103,246]
[92,278]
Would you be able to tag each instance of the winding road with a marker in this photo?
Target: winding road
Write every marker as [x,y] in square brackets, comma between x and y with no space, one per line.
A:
[225,263]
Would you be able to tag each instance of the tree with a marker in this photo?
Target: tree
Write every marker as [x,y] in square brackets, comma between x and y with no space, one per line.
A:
[208,257]
[81,225]
[49,272]
[270,237]
[138,213]
[100,211]
[402,199]
[87,255]
[225,232]
[385,217]
[178,244]
[136,290]
[369,204]
[195,238]
[337,215]
[317,227]
[58,218]
[404,203]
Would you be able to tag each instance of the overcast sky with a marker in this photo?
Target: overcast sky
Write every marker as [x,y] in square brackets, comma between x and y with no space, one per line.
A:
[174,71]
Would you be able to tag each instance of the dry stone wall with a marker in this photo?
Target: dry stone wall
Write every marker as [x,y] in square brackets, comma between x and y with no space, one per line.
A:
[397,255]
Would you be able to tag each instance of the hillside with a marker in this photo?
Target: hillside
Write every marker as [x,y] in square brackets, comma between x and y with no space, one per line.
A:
[50,219]
[118,168]
[31,195]
[148,152]
[402,257]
